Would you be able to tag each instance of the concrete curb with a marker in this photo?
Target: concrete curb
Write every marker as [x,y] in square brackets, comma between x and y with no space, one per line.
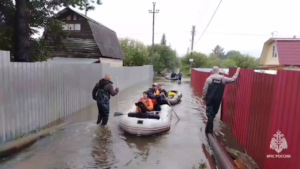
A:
[222,158]
[17,145]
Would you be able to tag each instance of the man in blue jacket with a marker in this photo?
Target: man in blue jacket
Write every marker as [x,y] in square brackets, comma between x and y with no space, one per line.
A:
[156,97]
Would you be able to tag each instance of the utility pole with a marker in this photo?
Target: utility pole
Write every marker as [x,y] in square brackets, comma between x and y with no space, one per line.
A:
[193,34]
[153,12]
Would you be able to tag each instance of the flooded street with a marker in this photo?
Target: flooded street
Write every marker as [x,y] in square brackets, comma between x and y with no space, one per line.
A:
[82,144]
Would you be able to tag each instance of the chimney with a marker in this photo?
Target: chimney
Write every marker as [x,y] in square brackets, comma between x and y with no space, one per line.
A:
[294,36]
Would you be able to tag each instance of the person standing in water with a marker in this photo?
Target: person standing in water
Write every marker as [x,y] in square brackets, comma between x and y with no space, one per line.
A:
[179,75]
[101,93]
[212,94]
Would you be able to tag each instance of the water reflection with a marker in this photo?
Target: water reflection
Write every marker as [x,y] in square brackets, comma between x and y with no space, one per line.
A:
[143,144]
[102,151]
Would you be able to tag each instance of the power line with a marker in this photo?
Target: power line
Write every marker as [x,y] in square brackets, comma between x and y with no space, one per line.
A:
[209,21]
[220,33]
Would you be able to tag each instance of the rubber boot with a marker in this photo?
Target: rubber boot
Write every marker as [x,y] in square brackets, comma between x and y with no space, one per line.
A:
[209,126]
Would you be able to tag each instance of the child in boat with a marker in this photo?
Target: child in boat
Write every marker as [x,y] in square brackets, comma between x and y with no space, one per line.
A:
[146,101]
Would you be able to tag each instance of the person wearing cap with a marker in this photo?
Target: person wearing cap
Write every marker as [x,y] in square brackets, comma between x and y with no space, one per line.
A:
[212,94]
[155,96]
[101,93]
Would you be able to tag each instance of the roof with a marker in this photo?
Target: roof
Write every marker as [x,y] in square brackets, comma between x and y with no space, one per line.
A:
[288,50]
[72,60]
[106,39]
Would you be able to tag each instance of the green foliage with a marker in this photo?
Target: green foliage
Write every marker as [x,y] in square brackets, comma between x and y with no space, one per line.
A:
[228,63]
[168,57]
[39,50]
[55,34]
[245,61]
[200,60]
[136,53]
[213,61]
[217,58]
[232,53]
[158,63]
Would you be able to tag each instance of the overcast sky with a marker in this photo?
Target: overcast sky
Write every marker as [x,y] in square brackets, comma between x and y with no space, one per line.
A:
[242,25]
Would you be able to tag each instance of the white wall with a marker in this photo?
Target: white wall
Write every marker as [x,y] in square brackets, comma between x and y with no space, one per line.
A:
[112,62]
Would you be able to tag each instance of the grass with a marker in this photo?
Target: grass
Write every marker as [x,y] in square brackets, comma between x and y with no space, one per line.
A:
[201,166]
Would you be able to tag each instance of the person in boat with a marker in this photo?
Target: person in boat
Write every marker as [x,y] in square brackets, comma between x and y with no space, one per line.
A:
[144,107]
[179,75]
[101,93]
[212,94]
[146,101]
[161,90]
[156,97]
[173,75]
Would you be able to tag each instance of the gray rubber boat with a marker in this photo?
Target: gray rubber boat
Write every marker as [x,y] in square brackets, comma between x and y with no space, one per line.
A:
[174,97]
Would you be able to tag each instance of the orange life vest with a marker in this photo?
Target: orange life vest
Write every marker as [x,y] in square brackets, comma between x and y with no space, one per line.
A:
[148,103]
[154,100]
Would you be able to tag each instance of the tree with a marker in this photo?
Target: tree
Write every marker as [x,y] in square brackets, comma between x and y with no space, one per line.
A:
[88,5]
[158,63]
[245,61]
[7,11]
[22,31]
[232,53]
[228,63]
[218,51]
[136,53]
[163,40]
[168,56]
[200,60]
[213,61]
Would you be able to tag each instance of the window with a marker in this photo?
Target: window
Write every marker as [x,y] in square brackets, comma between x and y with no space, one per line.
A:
[68,18]
[74,17]
[72,27]
[274,52]
[77,27]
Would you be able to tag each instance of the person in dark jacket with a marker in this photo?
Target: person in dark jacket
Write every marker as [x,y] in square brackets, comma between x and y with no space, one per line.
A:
[161,90]
[212,94]
[179,75]
[101,93]
[173,75]
[156,97]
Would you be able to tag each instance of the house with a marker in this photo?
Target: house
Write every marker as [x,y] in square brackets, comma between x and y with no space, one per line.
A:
[88,39]
[281,53]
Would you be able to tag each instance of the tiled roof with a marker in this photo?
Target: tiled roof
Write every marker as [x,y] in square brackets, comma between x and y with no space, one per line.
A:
[288,51]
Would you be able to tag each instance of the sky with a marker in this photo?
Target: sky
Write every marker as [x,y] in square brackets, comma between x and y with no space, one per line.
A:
[242,25]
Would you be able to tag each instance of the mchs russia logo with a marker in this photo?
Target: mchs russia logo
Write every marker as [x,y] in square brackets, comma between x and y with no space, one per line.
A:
[278,143]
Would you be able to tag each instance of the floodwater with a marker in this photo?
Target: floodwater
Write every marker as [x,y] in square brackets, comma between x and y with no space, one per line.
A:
[82,144]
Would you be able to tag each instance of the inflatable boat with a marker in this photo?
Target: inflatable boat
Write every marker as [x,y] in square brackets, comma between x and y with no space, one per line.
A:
[146,126]
[173,78]
[174,97]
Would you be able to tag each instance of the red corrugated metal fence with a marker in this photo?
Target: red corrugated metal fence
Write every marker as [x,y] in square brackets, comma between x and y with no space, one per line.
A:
[257,107]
